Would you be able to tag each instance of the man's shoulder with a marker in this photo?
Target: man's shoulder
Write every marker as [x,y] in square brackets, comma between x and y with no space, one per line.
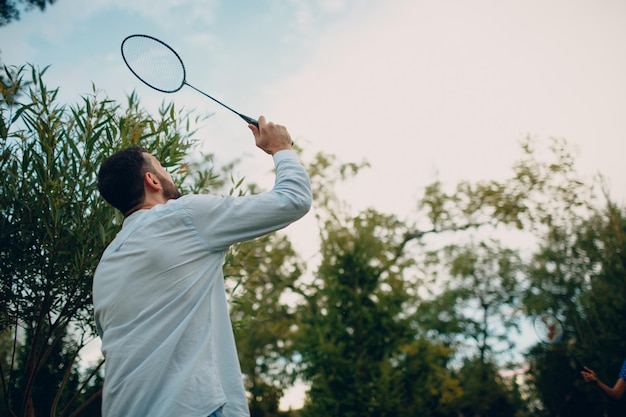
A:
[193,199]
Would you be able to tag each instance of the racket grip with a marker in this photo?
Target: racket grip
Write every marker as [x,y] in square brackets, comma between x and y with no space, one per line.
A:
[249,120]
[252,121]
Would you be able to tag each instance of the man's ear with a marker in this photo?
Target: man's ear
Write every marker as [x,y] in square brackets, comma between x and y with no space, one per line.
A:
[152,182]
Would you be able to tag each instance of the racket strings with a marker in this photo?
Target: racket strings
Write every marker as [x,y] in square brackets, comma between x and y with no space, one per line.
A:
[548,328]
[158,66]
[154,63]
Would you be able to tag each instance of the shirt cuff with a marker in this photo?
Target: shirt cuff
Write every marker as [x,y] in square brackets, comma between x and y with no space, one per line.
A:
[285,154]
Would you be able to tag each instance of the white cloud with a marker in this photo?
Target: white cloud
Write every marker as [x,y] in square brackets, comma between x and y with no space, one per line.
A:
[419,87]
[167,13]
[413,86]
[334,6]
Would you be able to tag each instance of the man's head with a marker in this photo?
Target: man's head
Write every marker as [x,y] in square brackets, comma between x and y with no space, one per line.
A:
[130,176]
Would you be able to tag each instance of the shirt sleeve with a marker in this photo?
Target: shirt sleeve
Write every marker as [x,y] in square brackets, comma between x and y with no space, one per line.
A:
[622,373]
[222,221]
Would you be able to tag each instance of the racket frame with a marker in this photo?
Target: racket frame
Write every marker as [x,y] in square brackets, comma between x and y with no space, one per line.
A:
[248,119]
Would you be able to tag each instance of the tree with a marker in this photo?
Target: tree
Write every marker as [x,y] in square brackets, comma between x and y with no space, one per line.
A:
[481,298]
[54,227]
[10,9]
[376,271]
[355,335]
[544,200]
[579,275]
[262,273]
[485,393]
[358,348]
[347,310]
[476,311]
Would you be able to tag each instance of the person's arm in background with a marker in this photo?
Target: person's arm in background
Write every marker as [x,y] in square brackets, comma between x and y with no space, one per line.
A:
[617,391]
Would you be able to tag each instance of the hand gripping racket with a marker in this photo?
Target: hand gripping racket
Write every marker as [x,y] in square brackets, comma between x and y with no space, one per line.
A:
[158,66]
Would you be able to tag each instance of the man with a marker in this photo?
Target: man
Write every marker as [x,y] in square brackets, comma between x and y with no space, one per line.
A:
[158,292]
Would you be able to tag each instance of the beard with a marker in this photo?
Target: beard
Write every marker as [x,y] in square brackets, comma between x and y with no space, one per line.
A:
[171,192]
[169,189]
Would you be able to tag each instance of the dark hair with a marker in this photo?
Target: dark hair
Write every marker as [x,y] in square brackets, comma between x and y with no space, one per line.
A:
[120,179]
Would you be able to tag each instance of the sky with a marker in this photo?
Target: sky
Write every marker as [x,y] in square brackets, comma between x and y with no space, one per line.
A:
[420,89]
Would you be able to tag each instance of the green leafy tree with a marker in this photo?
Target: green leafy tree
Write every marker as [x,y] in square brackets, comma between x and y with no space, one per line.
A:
[464,289]
[359,350]
[356,334]
[266,280]
[579,275]
[473,286]
[10,9]
[481,299]
[476,311]
[54,227]
[485,393]
[262,274]
[543,190]
[6,342]
[362,255]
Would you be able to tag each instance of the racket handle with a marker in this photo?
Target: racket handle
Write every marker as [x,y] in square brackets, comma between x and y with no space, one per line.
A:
[252,121]
[249,119]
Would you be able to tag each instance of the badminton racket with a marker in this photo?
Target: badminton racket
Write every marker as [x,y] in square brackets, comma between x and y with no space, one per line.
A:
[548,328]
[157,65]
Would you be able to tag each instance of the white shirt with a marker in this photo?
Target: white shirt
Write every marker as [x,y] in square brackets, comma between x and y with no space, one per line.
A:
[160,304]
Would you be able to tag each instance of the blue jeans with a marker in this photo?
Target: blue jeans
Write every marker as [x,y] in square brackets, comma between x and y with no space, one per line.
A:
[218,413]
